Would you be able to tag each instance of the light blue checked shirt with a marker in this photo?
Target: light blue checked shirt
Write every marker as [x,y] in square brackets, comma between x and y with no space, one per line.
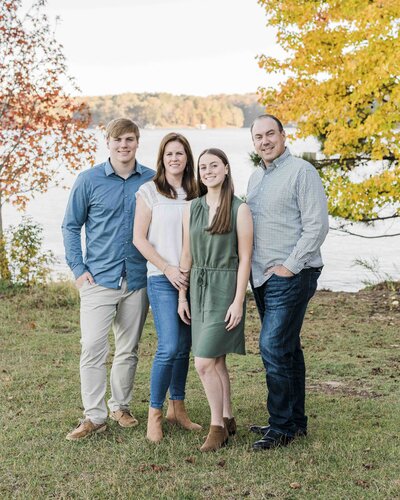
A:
[290,216]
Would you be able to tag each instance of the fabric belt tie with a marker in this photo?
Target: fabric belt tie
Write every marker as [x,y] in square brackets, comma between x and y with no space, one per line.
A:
[202,282]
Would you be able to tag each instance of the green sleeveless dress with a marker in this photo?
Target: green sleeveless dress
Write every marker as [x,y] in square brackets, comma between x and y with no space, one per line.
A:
[213,284]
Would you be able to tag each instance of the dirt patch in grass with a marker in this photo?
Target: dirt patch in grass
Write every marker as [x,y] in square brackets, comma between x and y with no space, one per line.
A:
[339,388]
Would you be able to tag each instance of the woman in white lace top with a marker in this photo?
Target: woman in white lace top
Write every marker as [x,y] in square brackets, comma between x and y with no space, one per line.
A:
[158,236]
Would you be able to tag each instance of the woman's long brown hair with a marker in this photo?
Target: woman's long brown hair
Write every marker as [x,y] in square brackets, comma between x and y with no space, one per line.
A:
[188,180]
[222,220]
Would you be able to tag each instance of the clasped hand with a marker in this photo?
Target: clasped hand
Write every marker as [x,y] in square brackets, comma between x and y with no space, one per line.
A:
[177,278]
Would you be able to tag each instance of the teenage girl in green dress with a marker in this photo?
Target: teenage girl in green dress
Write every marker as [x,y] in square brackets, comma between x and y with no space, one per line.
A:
[217,247]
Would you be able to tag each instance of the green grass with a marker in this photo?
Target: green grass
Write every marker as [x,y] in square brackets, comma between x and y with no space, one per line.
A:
[352,349]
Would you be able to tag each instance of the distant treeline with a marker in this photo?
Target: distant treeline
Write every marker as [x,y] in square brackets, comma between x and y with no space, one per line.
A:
[167,110]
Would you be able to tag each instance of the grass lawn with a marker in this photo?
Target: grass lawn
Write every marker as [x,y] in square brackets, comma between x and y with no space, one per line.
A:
[352,348]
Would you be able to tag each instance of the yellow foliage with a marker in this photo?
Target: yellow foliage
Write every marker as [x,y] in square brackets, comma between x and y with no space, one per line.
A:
[341,79]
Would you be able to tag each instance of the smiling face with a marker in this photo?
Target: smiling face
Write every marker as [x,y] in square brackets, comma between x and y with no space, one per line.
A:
[174,159]
[268,140]
[123,149]
[212,170]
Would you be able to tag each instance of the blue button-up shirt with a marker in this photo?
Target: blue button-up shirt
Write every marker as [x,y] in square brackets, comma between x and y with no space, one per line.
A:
[104,203]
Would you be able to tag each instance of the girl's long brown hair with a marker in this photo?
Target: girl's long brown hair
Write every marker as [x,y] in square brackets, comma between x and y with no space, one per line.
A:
[188,180]
[222,220]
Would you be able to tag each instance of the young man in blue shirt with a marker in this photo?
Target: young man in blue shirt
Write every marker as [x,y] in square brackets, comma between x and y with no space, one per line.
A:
[111,277]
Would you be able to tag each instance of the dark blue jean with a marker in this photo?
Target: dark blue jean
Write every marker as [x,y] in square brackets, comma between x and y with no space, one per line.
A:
[282,303]
[171,361]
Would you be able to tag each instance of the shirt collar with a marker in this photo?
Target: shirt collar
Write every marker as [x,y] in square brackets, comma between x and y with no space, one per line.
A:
[109,170]
[278,161]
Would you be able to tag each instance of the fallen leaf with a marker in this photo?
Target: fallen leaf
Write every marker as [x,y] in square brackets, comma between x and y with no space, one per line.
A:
[295,486]
[368,466]
[158,468]
[190,460]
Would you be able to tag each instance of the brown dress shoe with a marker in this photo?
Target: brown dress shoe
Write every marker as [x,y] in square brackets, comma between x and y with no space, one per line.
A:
[154,425]
[217,437]
[84,429]
[230,424]
[176,414]
[124,418]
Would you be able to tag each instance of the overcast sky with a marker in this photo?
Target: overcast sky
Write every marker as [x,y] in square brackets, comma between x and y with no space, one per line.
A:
[198,47]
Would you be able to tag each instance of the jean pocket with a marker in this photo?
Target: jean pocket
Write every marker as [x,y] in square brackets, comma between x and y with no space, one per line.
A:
[283,277]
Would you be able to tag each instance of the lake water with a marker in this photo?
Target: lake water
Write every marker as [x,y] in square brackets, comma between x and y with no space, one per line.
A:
[339,250]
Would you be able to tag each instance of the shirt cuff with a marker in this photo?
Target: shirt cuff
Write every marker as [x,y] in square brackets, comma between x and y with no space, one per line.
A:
[293,265]
[79,270]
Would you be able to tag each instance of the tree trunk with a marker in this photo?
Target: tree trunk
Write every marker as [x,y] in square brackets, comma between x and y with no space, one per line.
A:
[5,274]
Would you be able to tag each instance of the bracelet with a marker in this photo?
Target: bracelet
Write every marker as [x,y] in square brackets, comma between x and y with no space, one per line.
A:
[165,268]
[182,301]
[184,270]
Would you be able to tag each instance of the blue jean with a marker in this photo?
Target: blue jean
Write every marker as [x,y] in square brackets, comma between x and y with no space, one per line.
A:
[282,303]
[171,361]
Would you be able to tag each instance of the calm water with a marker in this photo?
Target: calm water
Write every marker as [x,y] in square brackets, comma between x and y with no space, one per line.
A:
[339,250]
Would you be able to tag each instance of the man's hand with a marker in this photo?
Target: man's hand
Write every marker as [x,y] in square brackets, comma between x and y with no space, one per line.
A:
[280,271]
[84,277]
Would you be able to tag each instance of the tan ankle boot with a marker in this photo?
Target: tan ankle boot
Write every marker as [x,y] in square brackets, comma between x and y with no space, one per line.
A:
[217,437]
[176,414]
[230,424]
[154,425]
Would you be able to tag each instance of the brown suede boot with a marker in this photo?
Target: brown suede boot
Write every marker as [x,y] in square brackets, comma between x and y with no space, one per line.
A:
[154,425]
[176,414]
[217,437]
[230,424]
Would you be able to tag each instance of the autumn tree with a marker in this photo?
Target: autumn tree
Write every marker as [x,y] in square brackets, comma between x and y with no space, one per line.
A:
[340,83]
[41,126]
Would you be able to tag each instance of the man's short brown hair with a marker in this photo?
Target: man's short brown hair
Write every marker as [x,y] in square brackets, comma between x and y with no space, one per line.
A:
[120,126]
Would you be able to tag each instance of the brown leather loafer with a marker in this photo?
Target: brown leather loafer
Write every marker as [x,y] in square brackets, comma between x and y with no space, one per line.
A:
[84,429]
[124,418]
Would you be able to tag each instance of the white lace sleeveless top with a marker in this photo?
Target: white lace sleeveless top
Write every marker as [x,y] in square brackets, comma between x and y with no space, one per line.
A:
[165,231]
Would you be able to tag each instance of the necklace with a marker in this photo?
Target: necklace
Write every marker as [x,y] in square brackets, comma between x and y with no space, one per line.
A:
[212,206]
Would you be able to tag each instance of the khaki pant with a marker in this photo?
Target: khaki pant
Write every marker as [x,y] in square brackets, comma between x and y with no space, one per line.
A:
[126,312]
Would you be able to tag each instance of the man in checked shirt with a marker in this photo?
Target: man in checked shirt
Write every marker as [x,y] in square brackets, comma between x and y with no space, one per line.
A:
[290,217]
